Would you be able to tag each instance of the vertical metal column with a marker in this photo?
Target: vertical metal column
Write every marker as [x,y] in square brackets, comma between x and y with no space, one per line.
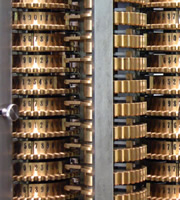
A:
[5,100]
[103,98]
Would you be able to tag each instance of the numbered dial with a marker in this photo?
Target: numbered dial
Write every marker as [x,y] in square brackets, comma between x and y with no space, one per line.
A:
[164,191]
[42,129]
[36,82]
[163,150]
[41,85]
[163,63]
[43,107]
[40,42]
[43,64]
[163,42]
[44,4]
[163,20]
[37,150]
[163,129]
[41,21]
[41,171]
[164,85]
[40,1]
[163,107]
[165,172]
[43,191]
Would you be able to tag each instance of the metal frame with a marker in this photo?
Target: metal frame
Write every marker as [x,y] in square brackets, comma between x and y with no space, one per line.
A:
[103,99]
[5,100]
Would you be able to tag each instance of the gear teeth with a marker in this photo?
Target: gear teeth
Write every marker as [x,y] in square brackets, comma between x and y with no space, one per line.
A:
[130,154]
[130,177]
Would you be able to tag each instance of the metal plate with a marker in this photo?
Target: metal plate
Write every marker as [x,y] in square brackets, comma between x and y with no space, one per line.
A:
[5,100]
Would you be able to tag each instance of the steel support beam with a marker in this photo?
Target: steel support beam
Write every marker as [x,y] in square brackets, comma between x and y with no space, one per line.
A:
[5,100]
[103,99]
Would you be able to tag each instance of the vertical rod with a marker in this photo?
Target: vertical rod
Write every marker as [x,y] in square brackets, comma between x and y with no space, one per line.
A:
[103,99]
[5,100]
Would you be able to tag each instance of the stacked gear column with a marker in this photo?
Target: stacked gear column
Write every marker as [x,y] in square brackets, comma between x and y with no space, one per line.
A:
[41,159]
[129,103]
[163,99]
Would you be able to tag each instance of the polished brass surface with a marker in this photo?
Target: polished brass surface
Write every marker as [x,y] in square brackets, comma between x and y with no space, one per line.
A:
[130,132]
[86,127]
[163,42]
[37,82]
[43,64]
[41,21]
[147,47]
[40,1]
[130,154]
[163,129]
[41,85]
[87,64]
[164,172]
[163,4]
[130,41]
[49,128]
[43,191]
[86,84]
[44,4]
[88,180]
[87,41]
[163,63]
[86,17]
[130,86]
[34,42]
[163,107]
[130,18]
[40,125]
[164,85]
[138,195]
[141,2]
[41,171]
[130,176]
[41,105]
[86,108]
[37,150]
[130,109]
[86,192]
[163,20]
[88,4]
[164,191]
[130,106]
[130,64]
[163,150]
